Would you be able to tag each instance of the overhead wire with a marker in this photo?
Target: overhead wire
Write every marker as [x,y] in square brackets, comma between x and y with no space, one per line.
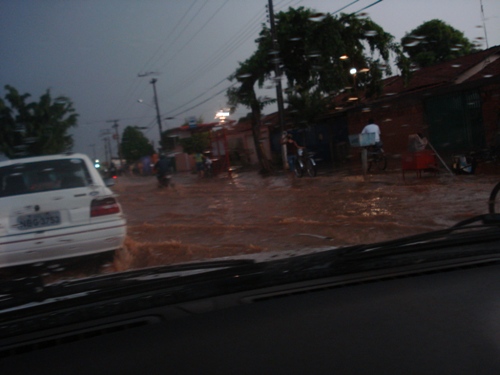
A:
[171,35]
[226,88]
[279,7]
[227,48]
[184,45]
[204,69]
[345,6]
[198,96]
[133,87]
[220,54]
[244,34]
[204,101]
[179,33]
[368,6]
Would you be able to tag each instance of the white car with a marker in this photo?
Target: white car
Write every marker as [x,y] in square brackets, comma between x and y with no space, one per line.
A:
[54,207]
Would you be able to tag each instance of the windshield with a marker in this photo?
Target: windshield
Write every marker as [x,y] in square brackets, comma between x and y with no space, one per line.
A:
[35,177]
[188,131]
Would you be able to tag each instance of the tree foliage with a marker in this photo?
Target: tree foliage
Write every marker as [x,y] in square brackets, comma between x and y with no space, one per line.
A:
[309,56]
[35,128]
[311,48]
[135,145]
[433,42]
[198,142]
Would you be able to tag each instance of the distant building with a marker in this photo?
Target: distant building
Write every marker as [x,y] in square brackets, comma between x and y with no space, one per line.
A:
[456,104]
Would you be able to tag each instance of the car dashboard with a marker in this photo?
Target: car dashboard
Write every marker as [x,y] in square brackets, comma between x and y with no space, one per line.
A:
[443,318]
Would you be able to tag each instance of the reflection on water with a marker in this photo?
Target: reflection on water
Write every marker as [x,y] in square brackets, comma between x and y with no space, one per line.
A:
[209,218]
[249,213]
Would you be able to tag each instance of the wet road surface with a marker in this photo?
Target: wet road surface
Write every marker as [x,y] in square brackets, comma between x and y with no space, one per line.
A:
[206,218]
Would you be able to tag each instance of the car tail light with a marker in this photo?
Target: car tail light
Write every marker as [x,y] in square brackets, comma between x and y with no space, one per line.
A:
[106,206]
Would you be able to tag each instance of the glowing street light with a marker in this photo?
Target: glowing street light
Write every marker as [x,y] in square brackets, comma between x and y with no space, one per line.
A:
[222,115]
[353,72]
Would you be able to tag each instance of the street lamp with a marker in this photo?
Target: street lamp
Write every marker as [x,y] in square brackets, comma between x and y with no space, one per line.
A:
[353,72]
[221,116]
[146,104]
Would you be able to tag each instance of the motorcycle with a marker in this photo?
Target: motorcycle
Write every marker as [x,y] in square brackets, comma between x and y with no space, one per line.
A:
[164,180]
[209,171]
[305,163]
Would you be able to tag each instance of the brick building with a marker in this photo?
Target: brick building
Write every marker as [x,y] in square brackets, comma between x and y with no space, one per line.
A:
[456,104]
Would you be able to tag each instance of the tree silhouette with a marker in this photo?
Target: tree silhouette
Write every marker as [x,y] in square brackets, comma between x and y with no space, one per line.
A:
[433,42]
[36,128]
[310,51]
[135,145]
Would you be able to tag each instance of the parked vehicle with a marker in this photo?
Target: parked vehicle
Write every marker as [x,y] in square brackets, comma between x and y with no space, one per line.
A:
[305,163]
[376,158]
[163,170]
[54,207]
[254,271]
[163,180]
[209,169]
[425,304]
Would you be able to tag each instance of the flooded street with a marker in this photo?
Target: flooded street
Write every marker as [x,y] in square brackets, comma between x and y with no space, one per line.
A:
[206,218]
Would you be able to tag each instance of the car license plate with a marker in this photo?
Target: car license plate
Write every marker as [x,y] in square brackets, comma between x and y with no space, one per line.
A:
[43,219]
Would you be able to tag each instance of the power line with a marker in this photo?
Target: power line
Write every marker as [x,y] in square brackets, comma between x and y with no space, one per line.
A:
[281,7]
[228,48]
[222,53]
[346,6]
[195,34]
[368,6]
[133,87]
[202,102]
[171,34]
[178,34]
[199,96]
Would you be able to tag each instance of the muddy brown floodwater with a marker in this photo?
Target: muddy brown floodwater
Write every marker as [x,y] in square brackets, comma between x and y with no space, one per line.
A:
[209,218]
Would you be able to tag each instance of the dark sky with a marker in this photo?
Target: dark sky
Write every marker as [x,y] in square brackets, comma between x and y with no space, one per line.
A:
[92,51]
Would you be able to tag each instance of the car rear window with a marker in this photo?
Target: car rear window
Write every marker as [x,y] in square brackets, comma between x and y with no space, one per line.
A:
[35,177]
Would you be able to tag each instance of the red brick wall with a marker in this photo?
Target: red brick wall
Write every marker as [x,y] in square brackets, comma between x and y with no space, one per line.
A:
[397,120]
[402,117]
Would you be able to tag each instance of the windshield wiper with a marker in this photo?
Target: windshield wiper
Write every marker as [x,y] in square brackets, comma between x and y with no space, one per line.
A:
[30,289]
[475,230]
[208,278]
[471,237]
[120,293]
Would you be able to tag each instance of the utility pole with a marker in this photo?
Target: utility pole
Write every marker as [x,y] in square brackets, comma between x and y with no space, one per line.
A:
[158,117]
[277,74]
[117,137]
[107,146]
[107,151]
